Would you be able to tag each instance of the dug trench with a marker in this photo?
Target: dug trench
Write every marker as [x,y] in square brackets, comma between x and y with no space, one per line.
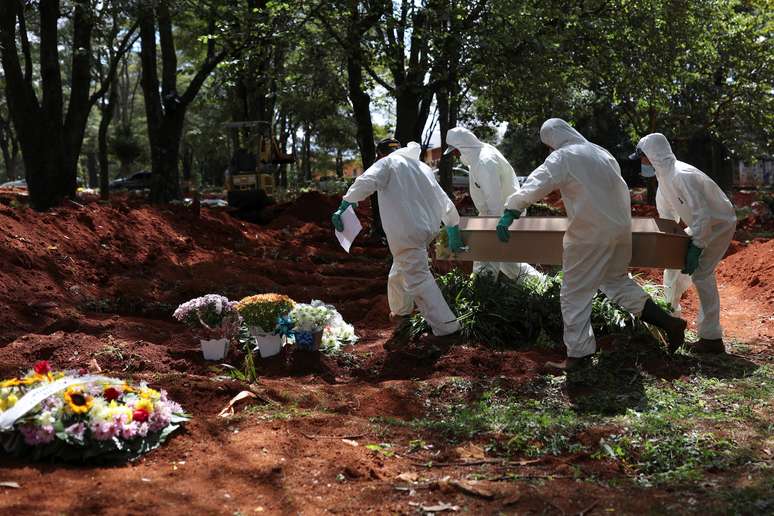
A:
[461,426]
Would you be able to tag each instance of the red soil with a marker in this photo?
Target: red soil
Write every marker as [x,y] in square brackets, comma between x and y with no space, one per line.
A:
[94,287]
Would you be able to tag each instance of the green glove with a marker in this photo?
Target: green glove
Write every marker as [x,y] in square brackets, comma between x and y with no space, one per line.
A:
[336,218]
[692,259]
[505,222]
[455,238]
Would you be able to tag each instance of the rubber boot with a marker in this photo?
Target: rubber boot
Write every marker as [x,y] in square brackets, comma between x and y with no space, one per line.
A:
[672,326]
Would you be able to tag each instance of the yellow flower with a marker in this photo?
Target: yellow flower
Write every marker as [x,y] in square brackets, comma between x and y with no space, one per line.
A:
[149,394]
[114,410]
[8,402]
[145,404]
[77,401]
[13,382]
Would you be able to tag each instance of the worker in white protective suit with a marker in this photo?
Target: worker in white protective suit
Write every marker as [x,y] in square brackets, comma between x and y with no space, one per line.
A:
[699,203]
[492,181]
[676,282]
[412,207]
[400,300]
[598,240]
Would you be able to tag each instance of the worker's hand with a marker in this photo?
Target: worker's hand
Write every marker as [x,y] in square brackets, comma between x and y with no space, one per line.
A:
[692,259]
[454,240]
[505,222]
[336,218]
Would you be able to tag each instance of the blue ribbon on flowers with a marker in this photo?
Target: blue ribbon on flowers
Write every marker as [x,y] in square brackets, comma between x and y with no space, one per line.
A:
[284,326]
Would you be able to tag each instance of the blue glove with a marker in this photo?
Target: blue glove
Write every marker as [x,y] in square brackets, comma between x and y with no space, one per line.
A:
[336,218]
[505,222]
[454,243]
[692,259]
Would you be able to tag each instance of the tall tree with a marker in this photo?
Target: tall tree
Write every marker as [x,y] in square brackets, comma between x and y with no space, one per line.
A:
[357,21]
[165,106]
[9,144]
[49,124]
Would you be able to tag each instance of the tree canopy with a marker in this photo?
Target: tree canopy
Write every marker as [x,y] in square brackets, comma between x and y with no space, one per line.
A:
[147,84]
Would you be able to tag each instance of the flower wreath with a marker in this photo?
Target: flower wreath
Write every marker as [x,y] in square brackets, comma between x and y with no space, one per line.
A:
[72,417]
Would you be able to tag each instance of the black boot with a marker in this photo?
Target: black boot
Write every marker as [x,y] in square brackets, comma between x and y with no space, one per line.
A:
[673,326]
[567,365]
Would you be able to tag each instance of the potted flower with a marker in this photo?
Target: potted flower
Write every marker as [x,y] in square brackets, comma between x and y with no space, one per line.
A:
[216,321]
[309,321]
[260,313]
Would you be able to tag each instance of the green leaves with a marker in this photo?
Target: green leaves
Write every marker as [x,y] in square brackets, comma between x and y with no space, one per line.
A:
[506,314]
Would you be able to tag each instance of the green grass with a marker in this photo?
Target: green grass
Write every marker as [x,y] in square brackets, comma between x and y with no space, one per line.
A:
[661,430]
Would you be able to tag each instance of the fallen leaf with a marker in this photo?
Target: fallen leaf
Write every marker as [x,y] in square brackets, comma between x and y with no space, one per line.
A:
[350,442]
[472,488]
[470,451]
[228,410]
[12,485]
[440,507]
[408,476]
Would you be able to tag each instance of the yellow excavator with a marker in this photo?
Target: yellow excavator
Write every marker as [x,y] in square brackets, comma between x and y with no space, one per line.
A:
[255,158]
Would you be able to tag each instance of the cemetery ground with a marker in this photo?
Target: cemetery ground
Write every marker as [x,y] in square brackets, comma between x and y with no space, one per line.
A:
[430,426]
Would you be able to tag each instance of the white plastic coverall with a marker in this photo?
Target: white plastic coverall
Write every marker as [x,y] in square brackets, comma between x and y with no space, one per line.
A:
[598,240]
[412,208]
[697,201]
[492,181]
[675,282]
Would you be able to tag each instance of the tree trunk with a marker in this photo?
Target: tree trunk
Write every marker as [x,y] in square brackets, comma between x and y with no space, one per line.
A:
[445,165]
[9,146]
[339,164]
[91,168]
[107,110]
[50,139]
[10,149]
[307,155]
[187,162]
[447,95]
[361,109]
[165,109]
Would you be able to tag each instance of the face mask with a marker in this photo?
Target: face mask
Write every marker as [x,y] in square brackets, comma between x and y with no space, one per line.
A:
[648,170]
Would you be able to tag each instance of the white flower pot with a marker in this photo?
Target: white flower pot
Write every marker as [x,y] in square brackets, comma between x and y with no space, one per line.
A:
[268,343]
[214,349]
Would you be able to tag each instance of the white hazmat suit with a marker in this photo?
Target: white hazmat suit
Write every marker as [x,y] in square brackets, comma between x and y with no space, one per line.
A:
[598,240]
[412,207]
[492,181]
[697,201]
[676,283]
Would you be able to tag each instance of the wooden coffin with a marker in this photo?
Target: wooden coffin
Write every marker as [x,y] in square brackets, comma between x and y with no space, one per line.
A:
[657,243]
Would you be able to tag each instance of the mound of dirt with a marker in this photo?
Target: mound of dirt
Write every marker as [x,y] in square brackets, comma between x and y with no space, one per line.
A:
[752,269]
[131,259]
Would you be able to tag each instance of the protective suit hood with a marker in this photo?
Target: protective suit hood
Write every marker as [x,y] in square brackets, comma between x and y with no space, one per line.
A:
[657,149]
[556,133]
[412,150]
[466,142]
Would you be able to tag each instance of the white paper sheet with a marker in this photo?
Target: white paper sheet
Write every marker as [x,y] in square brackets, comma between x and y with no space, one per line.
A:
[352,228]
